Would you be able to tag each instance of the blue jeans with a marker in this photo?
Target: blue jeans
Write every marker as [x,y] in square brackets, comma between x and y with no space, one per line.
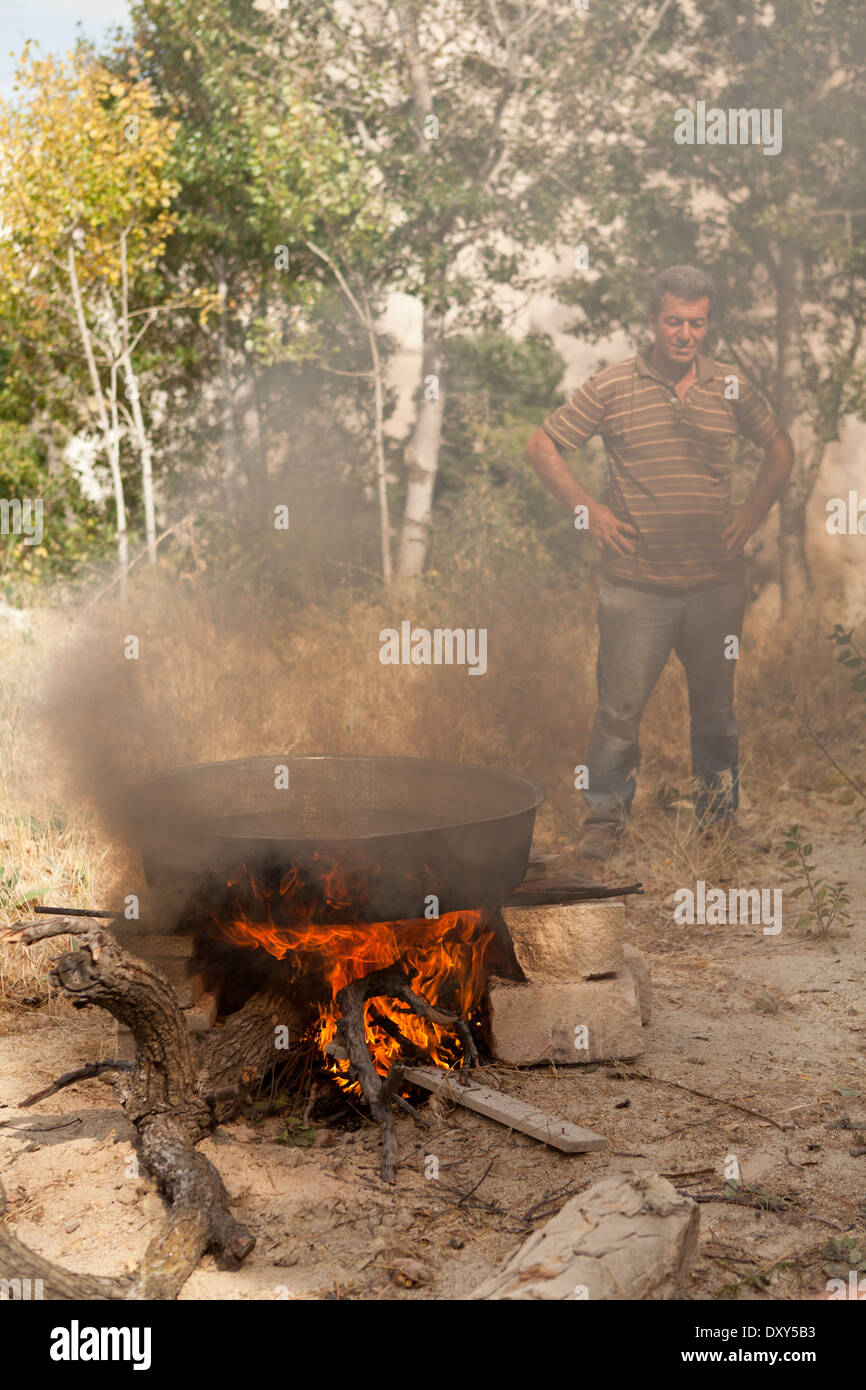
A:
[637,630]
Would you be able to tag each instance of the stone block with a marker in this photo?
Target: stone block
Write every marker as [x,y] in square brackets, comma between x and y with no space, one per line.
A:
[636,965]
[567,941]
[564,1022]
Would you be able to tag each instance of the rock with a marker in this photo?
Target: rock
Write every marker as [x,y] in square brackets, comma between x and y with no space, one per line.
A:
[568,941]
[584,1021]
[71,1226]
[623,1239]
[408,1272]
[636,965]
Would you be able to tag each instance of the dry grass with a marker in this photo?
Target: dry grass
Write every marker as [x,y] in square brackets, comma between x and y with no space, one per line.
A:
[79,723]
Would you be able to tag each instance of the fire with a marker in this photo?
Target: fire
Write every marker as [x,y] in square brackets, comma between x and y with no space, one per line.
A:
[441,956]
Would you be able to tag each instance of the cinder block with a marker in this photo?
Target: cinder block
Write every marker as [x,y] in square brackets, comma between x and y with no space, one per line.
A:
[569,941]
[636,965]
[581,1021]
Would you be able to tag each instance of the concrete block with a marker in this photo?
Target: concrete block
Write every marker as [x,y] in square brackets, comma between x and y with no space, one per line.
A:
[580,1021]
[637,966]
[568,941]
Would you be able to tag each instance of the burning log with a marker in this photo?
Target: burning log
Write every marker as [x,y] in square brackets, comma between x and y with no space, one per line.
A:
[176,1093]
[391,982]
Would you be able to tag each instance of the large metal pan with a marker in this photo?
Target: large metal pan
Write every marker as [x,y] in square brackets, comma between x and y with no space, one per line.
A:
[401,828]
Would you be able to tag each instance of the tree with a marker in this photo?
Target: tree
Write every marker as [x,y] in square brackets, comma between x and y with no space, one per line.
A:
[470,117]
[263,175]
[86,204]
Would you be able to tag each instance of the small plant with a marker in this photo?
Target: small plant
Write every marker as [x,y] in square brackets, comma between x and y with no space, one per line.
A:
[842,1254]
[850,656]
[10,898]
[296,1134]
[826,903]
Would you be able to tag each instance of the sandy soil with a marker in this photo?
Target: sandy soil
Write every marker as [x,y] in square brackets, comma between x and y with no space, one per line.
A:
[777,1024]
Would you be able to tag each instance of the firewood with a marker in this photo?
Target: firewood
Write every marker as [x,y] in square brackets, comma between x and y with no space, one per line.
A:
[507,1110]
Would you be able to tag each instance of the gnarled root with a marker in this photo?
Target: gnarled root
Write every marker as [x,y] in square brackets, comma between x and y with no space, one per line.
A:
[177,1091]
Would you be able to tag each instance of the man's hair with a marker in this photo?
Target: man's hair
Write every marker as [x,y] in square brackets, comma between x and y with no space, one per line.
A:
[685,282]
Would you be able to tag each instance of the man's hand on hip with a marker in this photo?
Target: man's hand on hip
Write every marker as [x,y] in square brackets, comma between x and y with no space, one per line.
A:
[609,533]
[740,523]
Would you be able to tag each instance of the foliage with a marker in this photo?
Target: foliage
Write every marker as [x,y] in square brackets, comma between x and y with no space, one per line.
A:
[74,530]
[734,210]
[849,656]
[296,1134]
[842,1254]
[87,211]
[261,168]
[492,511]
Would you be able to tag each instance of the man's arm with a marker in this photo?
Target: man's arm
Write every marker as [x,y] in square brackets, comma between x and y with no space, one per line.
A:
[608,532]
[741,522]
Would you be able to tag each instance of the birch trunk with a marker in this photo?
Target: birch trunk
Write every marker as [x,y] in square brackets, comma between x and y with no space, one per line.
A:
[422,453]
[145,452]
[381,463]
[794,573]
[110,432]
[229,426]
[117,479]
[133,395]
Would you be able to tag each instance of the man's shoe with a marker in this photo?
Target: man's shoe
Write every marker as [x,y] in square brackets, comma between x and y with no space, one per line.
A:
[598,840]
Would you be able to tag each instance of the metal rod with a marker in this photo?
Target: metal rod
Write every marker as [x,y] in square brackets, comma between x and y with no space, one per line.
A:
[71,912]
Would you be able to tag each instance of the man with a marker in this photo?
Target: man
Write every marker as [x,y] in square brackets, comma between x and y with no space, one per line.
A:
[673,570]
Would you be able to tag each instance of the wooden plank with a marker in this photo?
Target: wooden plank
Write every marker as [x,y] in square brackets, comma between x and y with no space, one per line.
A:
[508,1110]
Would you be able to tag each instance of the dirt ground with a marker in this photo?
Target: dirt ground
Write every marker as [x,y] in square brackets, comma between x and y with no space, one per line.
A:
[773,1024]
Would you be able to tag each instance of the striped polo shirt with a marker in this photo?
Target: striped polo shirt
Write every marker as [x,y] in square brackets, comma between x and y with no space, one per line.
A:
[669,463]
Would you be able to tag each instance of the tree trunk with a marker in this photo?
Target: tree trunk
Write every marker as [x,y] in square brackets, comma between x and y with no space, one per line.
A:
[133,395]
[177,1092]
[145,452]
[422,453]
[117,481]
[110,431]
[381,464]
[794,573]
[231,462]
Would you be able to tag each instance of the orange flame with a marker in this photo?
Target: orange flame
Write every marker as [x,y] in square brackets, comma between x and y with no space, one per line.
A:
[439,955]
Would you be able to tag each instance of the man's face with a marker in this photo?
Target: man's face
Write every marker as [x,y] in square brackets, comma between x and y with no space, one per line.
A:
[679,328]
